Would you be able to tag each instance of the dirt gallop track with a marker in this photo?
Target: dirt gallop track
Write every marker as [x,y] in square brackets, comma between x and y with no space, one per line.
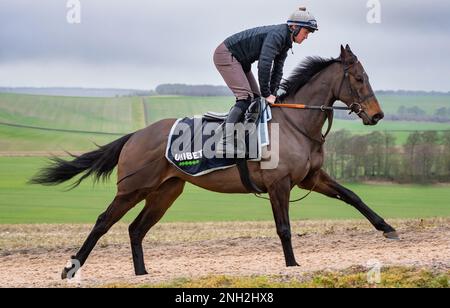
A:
[33,255]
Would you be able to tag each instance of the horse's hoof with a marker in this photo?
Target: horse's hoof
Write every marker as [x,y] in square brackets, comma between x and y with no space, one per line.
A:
[393,235]
[292,264]
[64,273]
[141,273]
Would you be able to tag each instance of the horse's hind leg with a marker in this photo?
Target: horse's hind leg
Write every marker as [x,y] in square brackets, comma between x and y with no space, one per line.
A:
[325,185]
[118,208]
[157,203]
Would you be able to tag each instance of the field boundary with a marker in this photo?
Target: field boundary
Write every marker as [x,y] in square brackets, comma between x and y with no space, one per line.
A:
[62,130]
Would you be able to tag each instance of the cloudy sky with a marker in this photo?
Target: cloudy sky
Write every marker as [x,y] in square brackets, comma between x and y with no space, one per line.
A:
[142,43]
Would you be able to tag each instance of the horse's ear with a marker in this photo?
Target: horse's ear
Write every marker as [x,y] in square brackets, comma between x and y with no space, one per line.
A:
[343,52]
[347,48]
[347,55]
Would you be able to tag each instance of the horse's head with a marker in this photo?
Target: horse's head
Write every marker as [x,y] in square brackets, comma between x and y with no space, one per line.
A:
[355,90]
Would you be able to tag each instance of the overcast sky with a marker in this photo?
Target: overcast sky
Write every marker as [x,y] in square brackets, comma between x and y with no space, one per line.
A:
[142,43]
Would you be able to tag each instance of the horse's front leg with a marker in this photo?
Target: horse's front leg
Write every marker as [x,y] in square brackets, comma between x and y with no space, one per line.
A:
[279,198]
[324,184]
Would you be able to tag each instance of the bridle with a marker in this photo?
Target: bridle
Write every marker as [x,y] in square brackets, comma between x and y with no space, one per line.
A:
[358,101]
[355,107]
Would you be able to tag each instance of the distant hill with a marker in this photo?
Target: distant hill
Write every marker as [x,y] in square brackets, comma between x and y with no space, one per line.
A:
[78,92]
[193,90]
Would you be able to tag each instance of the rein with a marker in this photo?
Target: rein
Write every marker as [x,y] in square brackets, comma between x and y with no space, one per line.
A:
[301,106]
[322,108]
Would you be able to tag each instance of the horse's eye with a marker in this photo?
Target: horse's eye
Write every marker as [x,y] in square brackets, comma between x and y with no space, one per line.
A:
[359,78]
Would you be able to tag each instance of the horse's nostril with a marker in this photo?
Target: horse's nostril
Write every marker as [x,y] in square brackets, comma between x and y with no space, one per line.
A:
[378,117]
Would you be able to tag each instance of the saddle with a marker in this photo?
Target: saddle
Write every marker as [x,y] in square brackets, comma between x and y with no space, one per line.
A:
[194,160]
[252,115]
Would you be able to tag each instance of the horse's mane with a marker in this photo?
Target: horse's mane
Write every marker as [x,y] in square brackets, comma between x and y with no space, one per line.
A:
[303,73]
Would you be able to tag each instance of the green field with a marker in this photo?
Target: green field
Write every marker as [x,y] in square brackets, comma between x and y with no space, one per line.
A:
[103,115]
[123,115]
[428,103]
[160,107]
[14,139]
[21,203]
[400,129]
[112,115]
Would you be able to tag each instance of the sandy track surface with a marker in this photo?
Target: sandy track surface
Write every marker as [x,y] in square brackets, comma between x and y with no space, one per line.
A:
[34,255]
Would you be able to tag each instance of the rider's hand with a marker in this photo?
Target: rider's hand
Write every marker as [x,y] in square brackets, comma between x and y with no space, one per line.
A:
[281,92]
[271,99]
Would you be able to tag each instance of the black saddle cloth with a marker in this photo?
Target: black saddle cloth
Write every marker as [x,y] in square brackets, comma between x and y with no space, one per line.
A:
[192,142]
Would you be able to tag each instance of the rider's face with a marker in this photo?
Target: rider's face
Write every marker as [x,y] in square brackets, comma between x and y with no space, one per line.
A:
[302,35]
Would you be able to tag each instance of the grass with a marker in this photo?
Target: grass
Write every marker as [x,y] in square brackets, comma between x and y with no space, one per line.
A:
[21,203]
[16,139]
[391,103]
[128,114]
[390,126]
[391,277]
[107,115]
[161,107]
[400,129]
[112,115]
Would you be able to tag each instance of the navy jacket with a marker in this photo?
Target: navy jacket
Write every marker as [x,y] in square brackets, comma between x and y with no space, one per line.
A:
[268,45]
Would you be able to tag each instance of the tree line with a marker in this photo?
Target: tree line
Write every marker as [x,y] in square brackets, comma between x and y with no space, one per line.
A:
[424,158]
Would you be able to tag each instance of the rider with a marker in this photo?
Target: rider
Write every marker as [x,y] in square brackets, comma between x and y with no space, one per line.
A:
[269,45]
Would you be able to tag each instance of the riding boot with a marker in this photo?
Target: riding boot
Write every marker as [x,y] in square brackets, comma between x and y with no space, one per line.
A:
[226,147]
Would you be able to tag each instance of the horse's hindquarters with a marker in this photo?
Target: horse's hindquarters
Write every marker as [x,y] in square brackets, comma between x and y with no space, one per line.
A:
[142,163]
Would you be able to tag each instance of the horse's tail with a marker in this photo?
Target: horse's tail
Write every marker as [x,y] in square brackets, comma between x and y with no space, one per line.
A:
[99,163]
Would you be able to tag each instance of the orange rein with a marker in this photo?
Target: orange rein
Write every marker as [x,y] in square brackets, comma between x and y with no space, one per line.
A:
[322,108]
[295,106]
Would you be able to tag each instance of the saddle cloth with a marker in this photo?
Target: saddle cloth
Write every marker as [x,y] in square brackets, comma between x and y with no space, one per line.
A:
[191,142]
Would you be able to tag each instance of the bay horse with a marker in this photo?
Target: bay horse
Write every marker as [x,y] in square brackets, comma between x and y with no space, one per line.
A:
[145,174]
